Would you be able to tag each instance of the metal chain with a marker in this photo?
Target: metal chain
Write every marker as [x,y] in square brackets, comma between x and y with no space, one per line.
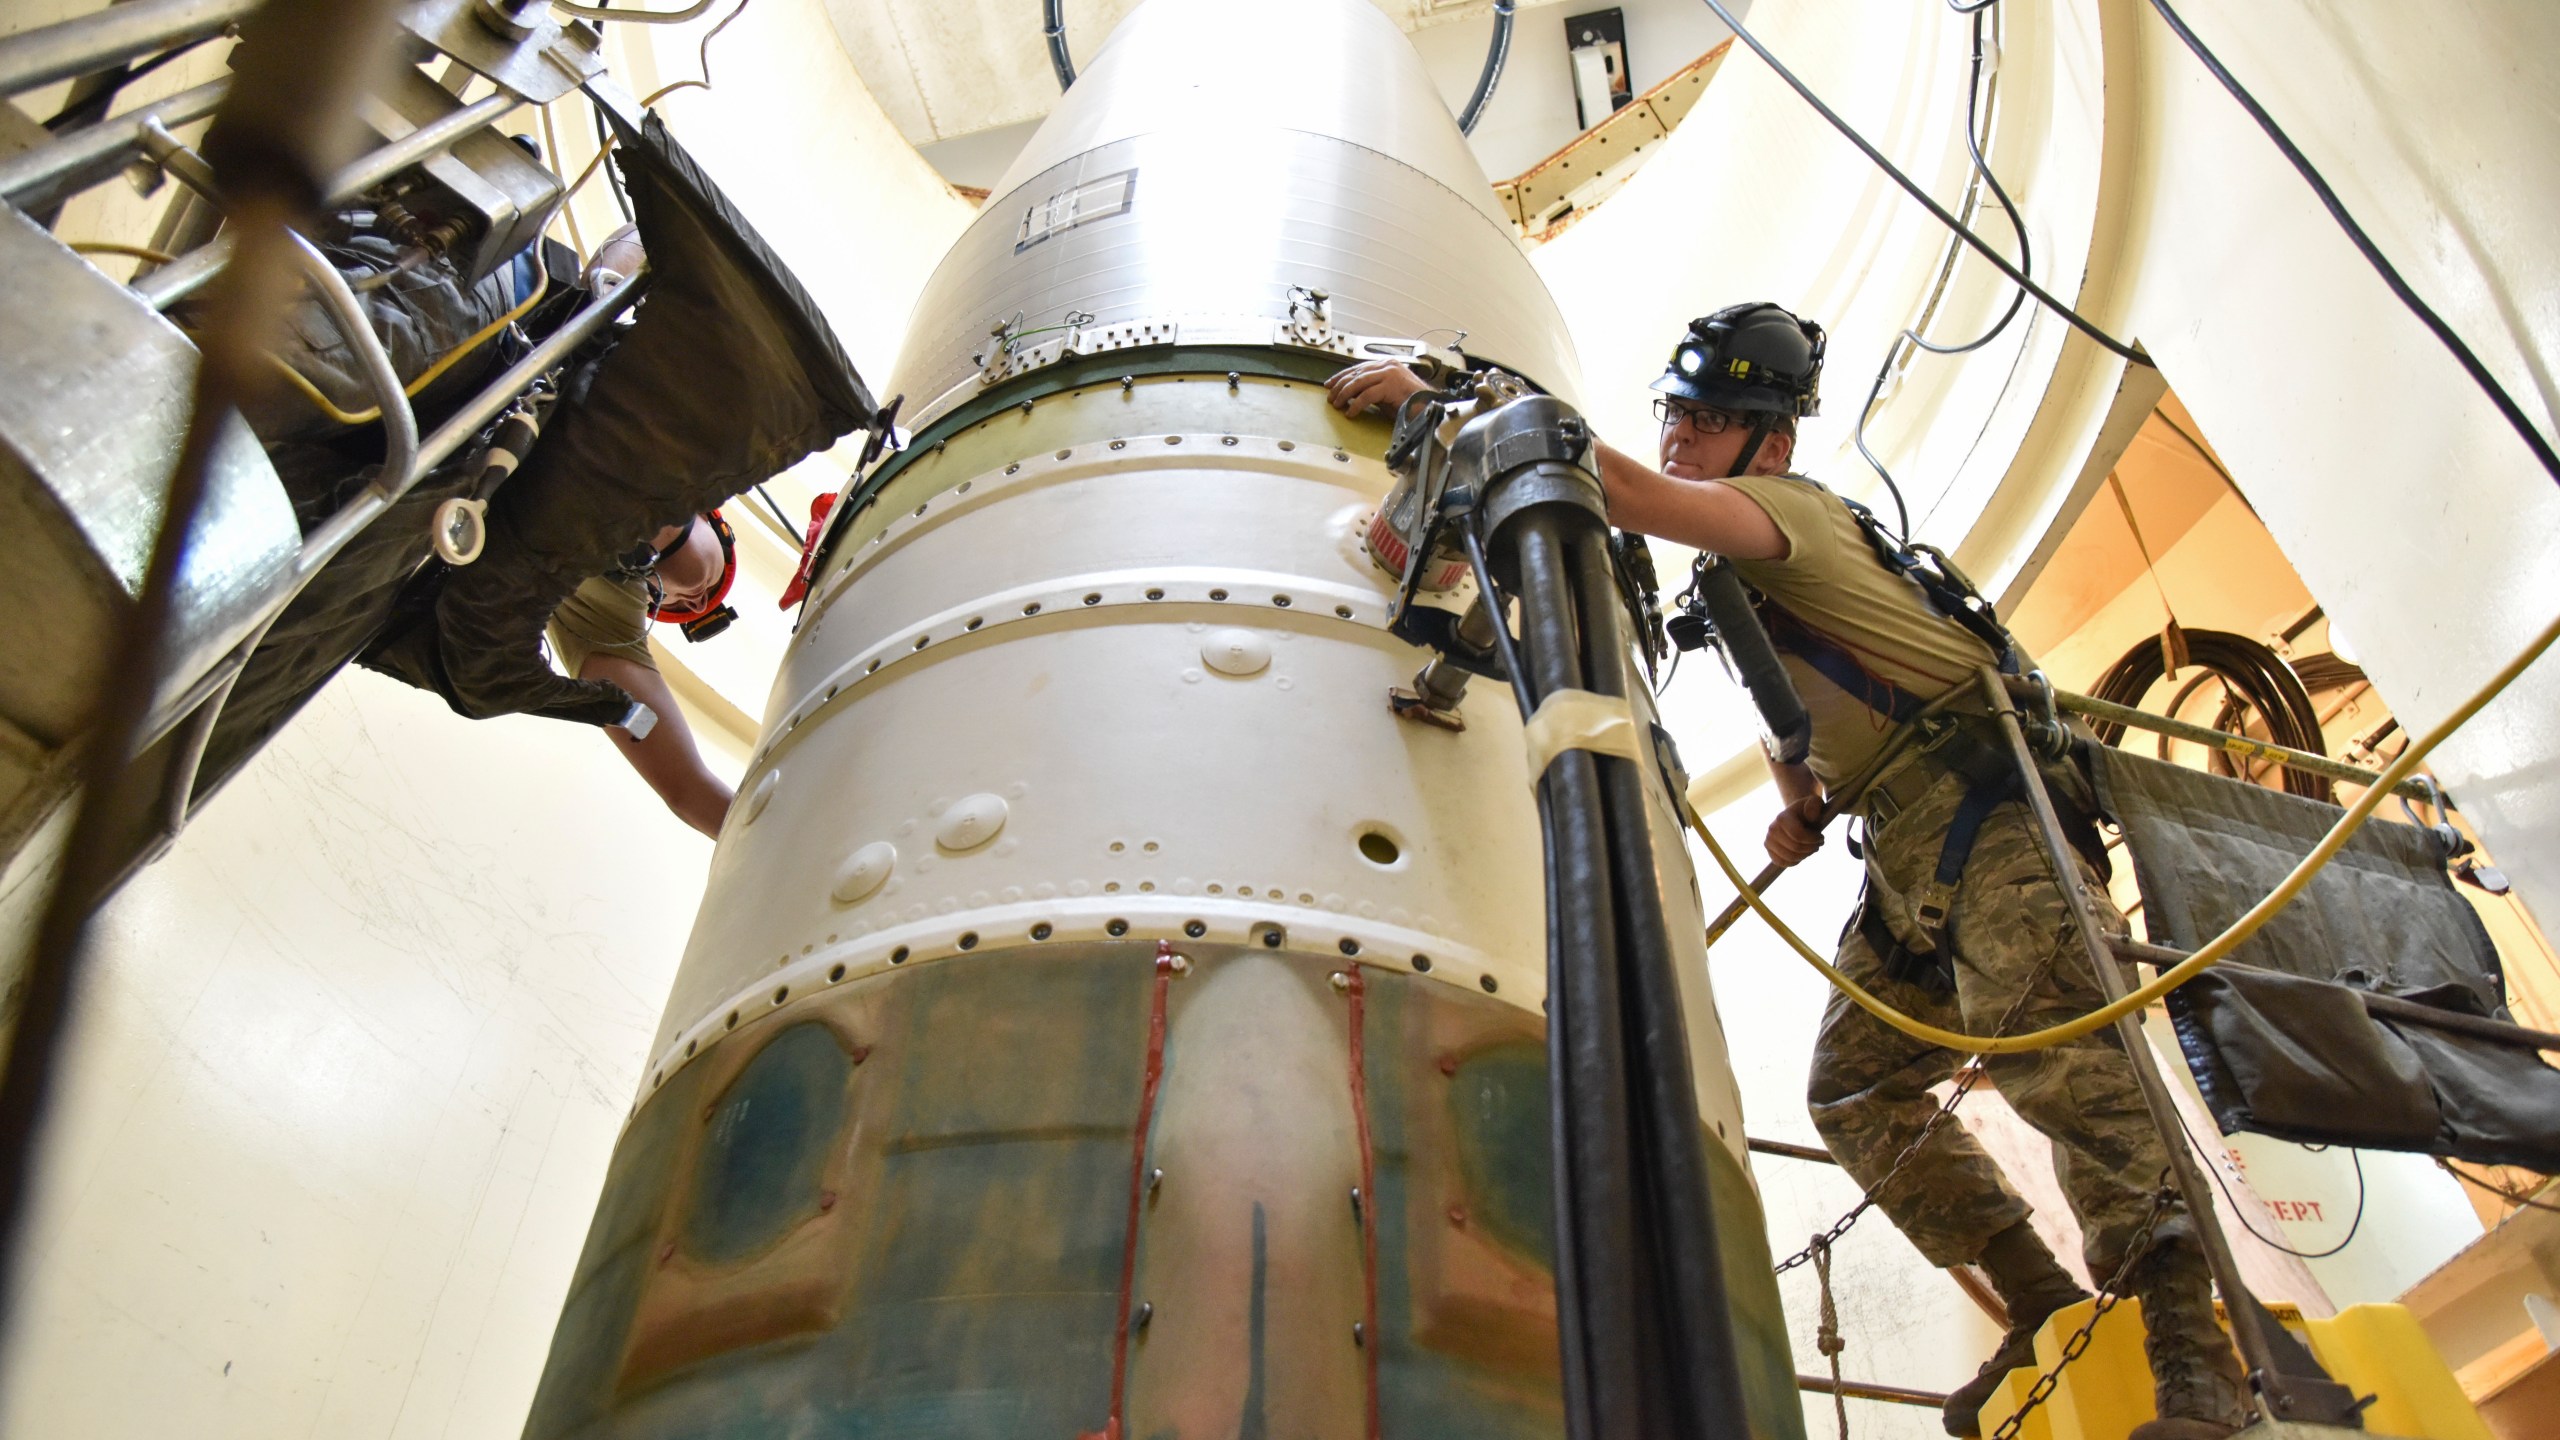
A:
[1827,1336]
[2108,1294]
[1965,1081]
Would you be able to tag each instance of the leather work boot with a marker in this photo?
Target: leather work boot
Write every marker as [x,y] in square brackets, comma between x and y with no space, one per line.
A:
[2196,1377]
[2032,1285]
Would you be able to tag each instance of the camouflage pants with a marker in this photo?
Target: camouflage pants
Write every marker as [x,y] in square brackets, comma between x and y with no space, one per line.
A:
[1869,1087]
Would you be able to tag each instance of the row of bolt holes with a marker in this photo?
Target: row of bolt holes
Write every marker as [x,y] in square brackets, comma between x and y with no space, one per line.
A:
[963,488]
[1273,937]
[1091,598]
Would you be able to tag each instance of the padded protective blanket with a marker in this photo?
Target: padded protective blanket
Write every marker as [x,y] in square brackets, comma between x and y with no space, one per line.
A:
[727,376]
[2294,1053]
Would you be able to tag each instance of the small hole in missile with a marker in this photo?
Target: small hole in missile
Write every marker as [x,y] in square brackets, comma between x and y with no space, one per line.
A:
[1014,468]
[1216,889]
[658,1079]
[874,665]
[1031,609]
[1094,598]
[924,507]
[1379,848]
[1119,845]
[1273,937]
[898,956]
[1342,610]
[731,1023]
[1350,946]
[1119,444]
[1226,439]
[1146,885]
[831,692]
[1116,928]
[1173,439]
[1422,964]
[923,640]
[1490,984]
[688,1048]
[1063,454]
[1339,455]
[782,994]
[969,940]
[1217,594]
[1283,601]
[964,487]
[835,973]
[1110,887]
[1155,594]
[1288,444]
[1041,931]
[1195,928]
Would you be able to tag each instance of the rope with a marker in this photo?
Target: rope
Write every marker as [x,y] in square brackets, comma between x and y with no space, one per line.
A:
[1827,1335]
[2209,954]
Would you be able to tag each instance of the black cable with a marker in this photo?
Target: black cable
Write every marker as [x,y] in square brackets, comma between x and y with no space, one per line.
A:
[1910,187]
[1495,53]
[1973,124]
[770,504]
[2479,373]
[2354,1157]
[604,142]
[1503,645]
[94,95]
[2489,1187]
[1053,27]
[2257,679]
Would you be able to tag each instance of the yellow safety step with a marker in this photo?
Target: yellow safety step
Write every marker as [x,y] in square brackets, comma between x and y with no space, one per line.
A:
[2374,1350]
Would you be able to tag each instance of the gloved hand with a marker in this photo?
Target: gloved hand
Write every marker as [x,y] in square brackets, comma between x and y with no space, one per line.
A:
[1377,386]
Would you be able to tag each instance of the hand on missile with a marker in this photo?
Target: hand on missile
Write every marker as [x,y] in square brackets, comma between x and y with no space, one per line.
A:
[1792,837]
[1374,386]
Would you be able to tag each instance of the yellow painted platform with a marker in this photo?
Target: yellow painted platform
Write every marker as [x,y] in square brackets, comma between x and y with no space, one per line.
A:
[2374,1349]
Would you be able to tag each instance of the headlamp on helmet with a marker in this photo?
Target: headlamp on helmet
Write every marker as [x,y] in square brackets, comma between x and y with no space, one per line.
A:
[712,616]
[1756,357]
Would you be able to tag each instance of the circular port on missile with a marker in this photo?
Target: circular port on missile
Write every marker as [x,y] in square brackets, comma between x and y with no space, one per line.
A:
[1273,937]
[1116,928]
[1490,984]
[1194,928]
[835,973]
[1041,931]
[1349,946]
[1378,846]
[969,941]
[1155,594]
[1217,594]
[898,956]
[1422,964]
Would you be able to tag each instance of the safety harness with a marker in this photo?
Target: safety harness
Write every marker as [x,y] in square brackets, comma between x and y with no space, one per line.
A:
[1951,743]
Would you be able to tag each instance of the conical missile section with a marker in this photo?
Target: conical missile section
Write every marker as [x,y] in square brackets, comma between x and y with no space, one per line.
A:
[1107,1016]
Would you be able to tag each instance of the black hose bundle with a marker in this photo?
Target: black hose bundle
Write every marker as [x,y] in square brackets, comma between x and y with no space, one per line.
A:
[2255,680]
[1648,1344]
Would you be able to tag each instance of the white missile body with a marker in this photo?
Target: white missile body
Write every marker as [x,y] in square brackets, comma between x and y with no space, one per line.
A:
[1105,1016]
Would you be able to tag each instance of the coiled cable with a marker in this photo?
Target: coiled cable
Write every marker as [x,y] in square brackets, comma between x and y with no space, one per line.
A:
[2254,679]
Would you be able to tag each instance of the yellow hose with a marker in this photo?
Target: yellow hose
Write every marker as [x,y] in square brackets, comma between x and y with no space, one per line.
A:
[2205,956]
[117,247]
[428,376]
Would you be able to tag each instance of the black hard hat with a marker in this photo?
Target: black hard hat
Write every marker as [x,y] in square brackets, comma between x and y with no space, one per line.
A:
[1749,357]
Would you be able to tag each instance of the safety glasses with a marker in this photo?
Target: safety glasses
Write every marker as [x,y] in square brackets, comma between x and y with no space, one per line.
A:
[1704,419]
